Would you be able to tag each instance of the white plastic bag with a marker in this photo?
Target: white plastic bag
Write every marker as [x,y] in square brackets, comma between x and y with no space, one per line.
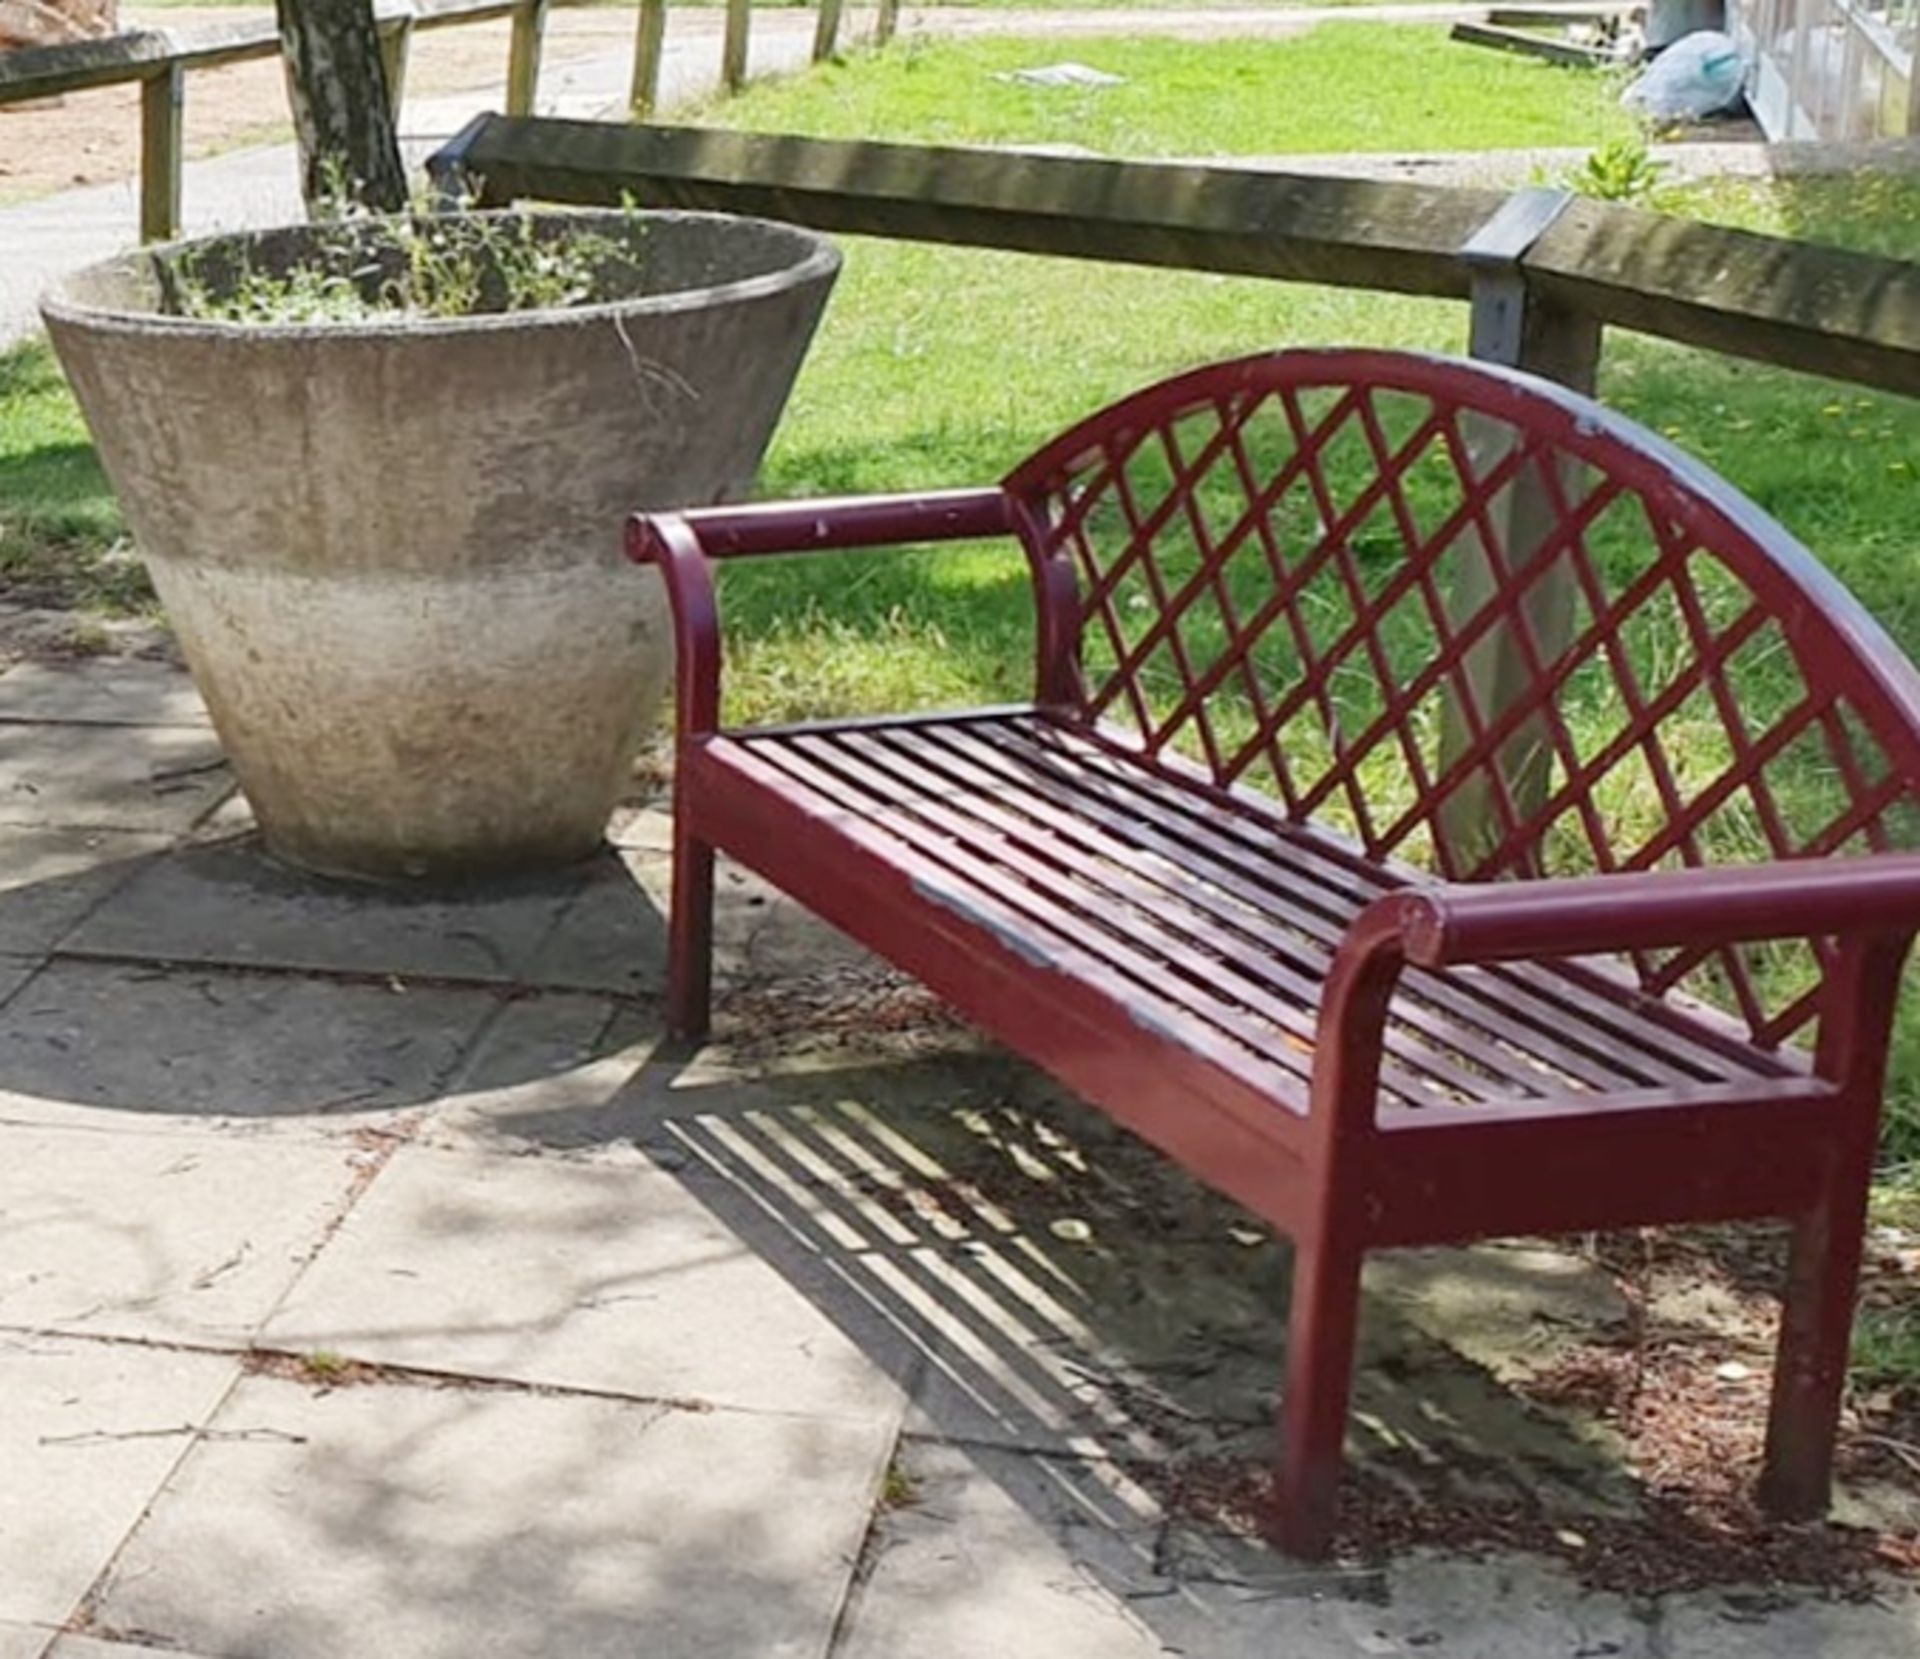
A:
[1699,74]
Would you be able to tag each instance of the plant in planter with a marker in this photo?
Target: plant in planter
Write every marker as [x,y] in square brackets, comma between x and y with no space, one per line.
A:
[378,469]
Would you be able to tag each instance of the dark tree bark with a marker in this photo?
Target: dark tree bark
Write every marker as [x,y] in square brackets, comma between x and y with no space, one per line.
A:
[337,85]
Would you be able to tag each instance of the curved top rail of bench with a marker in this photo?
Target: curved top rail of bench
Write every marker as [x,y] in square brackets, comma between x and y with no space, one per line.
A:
[1832,631]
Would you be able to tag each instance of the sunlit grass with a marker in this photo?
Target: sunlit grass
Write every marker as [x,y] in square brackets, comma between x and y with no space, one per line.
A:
[1339,86]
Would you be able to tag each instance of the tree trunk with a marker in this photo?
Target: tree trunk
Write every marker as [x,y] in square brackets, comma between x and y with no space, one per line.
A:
[337,85]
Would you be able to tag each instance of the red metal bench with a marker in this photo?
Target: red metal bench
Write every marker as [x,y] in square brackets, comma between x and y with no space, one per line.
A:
[1421,830]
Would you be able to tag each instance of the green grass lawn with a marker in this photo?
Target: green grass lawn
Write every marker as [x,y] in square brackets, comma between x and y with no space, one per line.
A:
[1341,86]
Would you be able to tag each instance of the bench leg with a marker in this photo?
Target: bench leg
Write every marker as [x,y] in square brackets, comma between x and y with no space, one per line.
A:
[1816,1330]
[690,939]
[1321,1326]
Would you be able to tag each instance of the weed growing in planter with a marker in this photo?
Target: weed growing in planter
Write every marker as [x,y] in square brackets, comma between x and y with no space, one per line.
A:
[361,268]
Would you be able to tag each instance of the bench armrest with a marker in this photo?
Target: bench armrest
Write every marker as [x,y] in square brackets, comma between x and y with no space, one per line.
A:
[835,522]
[1872,904]
[1610,914]
[682,544]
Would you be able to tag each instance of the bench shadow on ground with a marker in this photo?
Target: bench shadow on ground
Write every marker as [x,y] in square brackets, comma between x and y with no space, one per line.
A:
[1102,1334]
[1097,1334]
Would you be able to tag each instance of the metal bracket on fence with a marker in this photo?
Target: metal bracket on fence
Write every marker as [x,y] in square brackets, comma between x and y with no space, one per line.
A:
[451,182]
[1492,255]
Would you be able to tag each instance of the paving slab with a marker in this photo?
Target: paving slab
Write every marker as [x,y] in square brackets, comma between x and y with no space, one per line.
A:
[155,778]
[87,1647]
[1762,1624]
[110,1045]
[613,936]
[24,1641]
[599,1273]
[232,903]
[543,1074]
[190,1238]
[442,1524]
[51,878]
[1072,1291]
[89,1432]
[123,691]
[1056,1559]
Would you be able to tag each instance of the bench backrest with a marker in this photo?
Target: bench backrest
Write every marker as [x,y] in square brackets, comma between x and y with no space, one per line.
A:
[1481,625]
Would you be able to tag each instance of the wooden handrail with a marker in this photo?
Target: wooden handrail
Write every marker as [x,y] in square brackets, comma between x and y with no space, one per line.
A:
[1850,316]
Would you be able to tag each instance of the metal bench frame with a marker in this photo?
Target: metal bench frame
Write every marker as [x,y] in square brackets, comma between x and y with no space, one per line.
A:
[954,845]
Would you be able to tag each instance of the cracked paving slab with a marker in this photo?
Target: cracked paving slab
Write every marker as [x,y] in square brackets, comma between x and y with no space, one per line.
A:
[160,779]
[117,692]
[542,1076]
[613,937]
[441,1523]
[87,1647]
[51,878]
[88,1433]
[174,1238]
[231,903]
[109,1045]
[1058,1559]
[600,1273]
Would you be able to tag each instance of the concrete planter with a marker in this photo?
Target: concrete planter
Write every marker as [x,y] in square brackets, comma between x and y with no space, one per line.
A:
[391,550]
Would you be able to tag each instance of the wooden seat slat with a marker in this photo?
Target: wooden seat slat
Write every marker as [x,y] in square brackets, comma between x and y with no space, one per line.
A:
[1289,945]
[1047,926]
[1259,964]
[1596,1018]
[1320,899]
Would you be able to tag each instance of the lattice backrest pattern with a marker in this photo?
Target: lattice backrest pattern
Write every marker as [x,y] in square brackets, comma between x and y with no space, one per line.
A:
[1481,626]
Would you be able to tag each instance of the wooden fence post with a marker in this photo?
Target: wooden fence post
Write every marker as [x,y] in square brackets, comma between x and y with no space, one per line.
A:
[733,50]
[1511,327]
[826,30]
[885,21]
[649,46]
[396,37]
[162,99]
[523,55]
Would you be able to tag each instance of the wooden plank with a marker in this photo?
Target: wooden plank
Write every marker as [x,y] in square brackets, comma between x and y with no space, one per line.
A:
[1823,310]
[1348,232]
[1549,17]
[45,72]
[1579,1001]
[446,14]
[826,30]
[396,40]
[734,44]
[523,55]
[649,46]
[162,101]
[1851,316]
[1545,47]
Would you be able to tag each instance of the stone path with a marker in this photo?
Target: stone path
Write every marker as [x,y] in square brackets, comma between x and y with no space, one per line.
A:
[373,1281]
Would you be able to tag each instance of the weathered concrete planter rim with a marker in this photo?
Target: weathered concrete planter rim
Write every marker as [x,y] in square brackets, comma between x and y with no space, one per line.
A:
[821,259]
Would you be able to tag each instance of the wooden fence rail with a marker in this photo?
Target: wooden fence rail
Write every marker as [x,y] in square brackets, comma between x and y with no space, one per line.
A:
[1545,271]
[159,60]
